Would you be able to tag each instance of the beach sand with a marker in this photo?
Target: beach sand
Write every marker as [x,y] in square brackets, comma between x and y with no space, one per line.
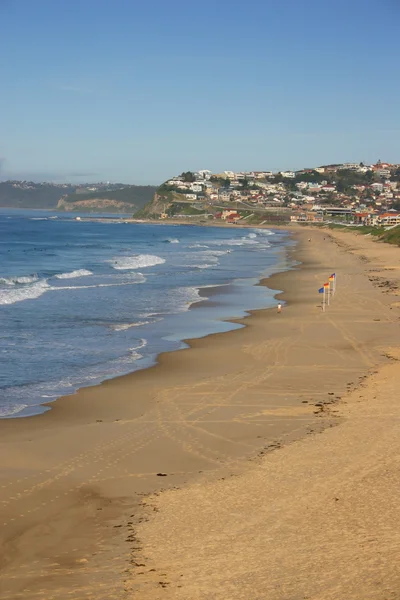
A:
[256,502]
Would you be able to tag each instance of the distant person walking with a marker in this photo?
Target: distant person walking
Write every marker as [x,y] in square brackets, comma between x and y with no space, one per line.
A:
[279,308]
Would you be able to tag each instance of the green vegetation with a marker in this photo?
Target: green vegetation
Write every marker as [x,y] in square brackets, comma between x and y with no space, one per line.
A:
[365,229]
[183,209]
[188,176]
[221,181]
[392,236]
[16,194]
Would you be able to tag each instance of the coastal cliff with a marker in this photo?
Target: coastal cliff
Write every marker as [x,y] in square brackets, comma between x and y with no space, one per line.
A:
[157,206]
[96,205]
[168,202]
[126,199]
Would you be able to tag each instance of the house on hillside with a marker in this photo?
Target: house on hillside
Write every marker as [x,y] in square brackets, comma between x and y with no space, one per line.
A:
[225,196]
[328,187]
[230,215]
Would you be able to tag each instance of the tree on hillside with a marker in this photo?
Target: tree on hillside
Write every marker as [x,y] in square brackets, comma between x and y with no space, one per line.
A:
[188,176]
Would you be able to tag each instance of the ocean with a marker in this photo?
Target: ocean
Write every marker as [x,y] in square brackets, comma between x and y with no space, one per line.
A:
[84,301]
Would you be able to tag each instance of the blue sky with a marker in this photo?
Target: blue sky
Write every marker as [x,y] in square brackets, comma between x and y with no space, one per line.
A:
[137,92]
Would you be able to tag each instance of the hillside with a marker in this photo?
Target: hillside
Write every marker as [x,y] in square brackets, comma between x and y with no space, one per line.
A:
[98,197]
[27,194]
[159,203]
[392,236]
[125,199]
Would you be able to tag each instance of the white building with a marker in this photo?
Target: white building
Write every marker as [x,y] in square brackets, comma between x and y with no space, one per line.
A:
[204,174]
[350,166]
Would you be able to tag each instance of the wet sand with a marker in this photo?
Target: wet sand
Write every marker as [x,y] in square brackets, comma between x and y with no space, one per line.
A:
[73,480]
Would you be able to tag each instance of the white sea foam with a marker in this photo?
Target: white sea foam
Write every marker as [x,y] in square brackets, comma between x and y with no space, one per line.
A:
[10,409]
[23,292]
[252,235]
[18,280]
[214,252]
[172,241]
[125,326]
[139,261]
[74,274]
[98,285]
[181,299]
[134,277]
[142,344]
[134,354]
[243,241]
[263,231]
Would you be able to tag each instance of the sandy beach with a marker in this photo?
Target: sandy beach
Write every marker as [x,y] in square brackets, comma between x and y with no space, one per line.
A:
[258,463]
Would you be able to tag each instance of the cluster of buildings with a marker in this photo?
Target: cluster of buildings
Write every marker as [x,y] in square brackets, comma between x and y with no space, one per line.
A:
[362,193]
[31,185]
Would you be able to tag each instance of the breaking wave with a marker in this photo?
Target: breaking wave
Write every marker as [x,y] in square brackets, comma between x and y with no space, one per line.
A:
[18,280]
[140,261]
[28,291]
[74,274]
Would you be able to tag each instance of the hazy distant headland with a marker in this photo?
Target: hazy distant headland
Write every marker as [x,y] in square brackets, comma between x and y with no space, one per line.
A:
[96,197]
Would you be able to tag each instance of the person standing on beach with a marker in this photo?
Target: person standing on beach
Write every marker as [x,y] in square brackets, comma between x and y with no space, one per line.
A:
[279,307]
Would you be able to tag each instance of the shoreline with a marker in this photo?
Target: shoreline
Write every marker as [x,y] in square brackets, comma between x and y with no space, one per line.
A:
[204,301]
[59,405]
[201,414]
[318,519]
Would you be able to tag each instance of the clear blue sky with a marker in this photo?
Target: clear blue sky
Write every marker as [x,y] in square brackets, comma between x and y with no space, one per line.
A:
[139,91]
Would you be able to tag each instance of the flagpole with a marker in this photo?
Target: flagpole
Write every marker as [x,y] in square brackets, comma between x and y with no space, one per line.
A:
[323,301]
[329,287]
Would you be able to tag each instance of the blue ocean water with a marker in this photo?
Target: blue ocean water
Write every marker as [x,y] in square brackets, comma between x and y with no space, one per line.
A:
[84,301]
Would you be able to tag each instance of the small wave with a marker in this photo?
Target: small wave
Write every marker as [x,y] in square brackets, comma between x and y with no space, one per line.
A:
[252,235]
[134,354]
[23,292]
[125,326]
[171,241]
[198,246]
[18,280]
[38,219]
[243,241]
[181,299]
[10,409]
[140,261]
[215,252]
[74,274]
[142,344]
[134,277]
[98,285]
[263,231]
